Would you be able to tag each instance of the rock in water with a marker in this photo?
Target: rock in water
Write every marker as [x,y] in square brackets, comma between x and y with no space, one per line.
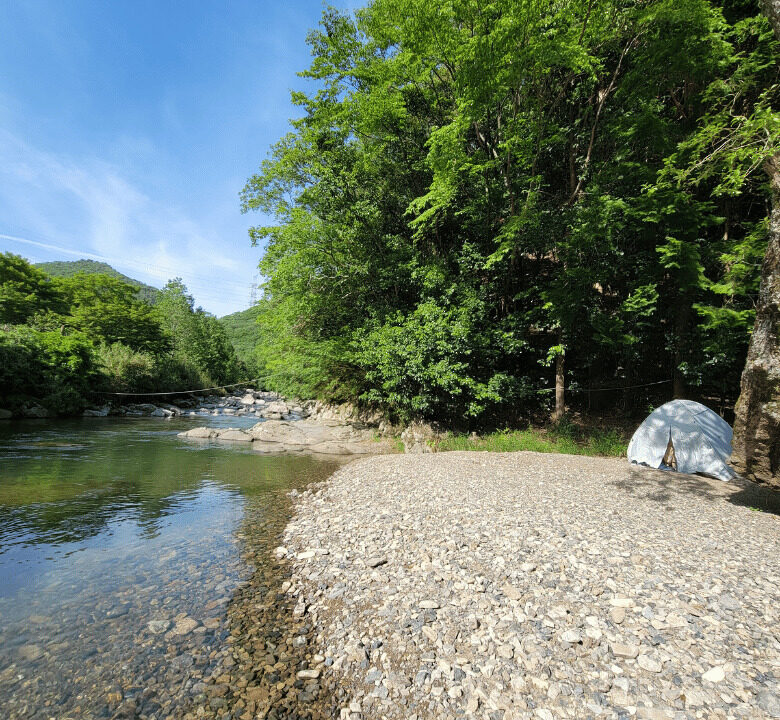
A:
[158,626]
[35,411]
[184,626]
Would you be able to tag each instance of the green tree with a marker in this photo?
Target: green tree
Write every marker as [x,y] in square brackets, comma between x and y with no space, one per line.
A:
[197,338]
[106,310]
[26,291]
[478,191]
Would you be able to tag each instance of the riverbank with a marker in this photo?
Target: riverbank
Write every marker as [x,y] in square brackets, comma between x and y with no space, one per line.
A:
[524,585]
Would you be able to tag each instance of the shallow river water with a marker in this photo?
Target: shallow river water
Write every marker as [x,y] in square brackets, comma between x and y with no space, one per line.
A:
[122,548]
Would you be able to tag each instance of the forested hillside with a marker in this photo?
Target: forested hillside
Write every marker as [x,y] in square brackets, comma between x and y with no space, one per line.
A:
[69,268]
[243,332]
[481,201]
[69,341]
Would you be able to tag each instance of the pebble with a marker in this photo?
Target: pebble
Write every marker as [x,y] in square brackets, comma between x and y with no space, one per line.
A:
[714,675]
[618,615]
[625,651]
[648,663]
[571,636]
[158,626]
[507,600]
[184,625]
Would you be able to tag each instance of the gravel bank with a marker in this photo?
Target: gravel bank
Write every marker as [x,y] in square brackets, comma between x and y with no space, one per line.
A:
[503,586]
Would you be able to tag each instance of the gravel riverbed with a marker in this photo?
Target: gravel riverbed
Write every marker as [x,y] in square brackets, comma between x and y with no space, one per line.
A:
[506,586]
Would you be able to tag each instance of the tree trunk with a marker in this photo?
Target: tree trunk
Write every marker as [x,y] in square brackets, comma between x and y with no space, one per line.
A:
[756,440]
[757,414]
[682,326]
[771,8]
[560,399]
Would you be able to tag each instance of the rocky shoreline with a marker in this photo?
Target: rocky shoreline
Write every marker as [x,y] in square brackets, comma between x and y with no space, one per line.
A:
[508,586]
[261,404]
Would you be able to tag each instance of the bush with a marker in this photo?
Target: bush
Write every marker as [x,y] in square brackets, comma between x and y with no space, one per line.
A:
[431,364]
[46,366]
[125,370]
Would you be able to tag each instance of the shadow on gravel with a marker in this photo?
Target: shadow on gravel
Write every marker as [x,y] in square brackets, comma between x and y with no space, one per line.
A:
[757,497]
[671,487]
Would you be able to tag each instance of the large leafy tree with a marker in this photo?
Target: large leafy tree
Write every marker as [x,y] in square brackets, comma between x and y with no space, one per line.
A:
[477,192]
[26,291]
[196,337]
[107,310]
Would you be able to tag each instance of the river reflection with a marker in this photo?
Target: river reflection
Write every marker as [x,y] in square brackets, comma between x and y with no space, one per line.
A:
[106,526]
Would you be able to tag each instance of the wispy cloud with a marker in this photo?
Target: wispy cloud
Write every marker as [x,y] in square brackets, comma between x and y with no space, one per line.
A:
[89,207]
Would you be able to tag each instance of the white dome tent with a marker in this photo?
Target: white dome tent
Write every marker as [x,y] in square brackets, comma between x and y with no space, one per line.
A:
[686,436]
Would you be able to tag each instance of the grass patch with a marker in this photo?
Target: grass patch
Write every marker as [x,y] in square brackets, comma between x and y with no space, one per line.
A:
[564,438]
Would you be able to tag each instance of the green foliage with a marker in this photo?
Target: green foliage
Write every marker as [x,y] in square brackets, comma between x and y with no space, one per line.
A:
[126,370]
[25,291]
[55,369]
[596,442]
[428,364]
[198,339]
[71,337]
[473,190]
[69,268]
[106,310]
[243,332]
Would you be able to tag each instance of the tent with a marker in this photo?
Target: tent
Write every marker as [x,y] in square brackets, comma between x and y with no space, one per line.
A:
[686,436]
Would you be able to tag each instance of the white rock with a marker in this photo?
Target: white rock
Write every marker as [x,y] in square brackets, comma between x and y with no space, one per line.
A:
[649,663]
[428,605]
[714,675]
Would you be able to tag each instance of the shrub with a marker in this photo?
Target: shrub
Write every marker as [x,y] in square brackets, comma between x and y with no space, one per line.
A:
[54,369]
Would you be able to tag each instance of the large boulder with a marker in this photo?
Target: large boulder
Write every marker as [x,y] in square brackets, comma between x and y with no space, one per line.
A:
[275,410]
[5,414]
[199,433]
[97,412]
[35,411]
[234,435]
[344,413]
[420,438]
[290,433]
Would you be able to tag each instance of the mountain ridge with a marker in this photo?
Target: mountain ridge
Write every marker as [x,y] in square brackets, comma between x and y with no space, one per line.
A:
[68,268]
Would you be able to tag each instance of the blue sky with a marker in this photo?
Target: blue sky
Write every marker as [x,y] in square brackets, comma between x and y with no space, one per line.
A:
[128,128]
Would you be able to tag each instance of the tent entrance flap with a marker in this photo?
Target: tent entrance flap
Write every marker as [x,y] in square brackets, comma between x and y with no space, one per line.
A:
[669,459]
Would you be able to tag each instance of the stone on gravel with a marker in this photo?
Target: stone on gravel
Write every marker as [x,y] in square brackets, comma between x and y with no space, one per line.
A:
[505,599]
[648,663]
[769,702]
[714,675]
[625,651]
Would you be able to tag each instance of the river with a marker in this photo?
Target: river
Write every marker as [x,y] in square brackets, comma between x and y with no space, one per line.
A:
[123,552]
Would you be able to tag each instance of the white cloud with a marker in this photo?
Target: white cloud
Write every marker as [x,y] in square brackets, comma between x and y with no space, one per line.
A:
[87,206]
